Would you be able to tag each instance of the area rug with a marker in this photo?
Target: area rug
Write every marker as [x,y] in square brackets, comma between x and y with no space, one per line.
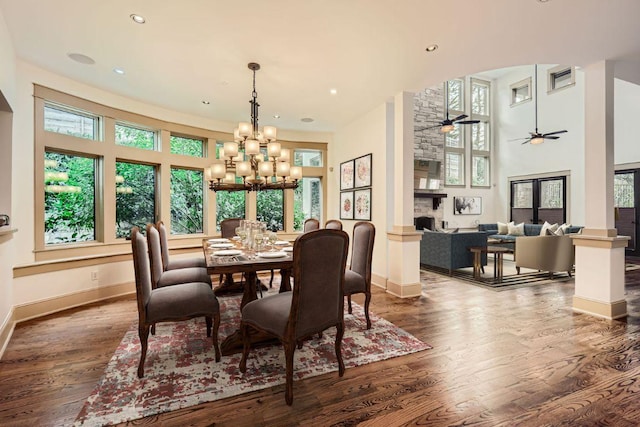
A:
[180,370]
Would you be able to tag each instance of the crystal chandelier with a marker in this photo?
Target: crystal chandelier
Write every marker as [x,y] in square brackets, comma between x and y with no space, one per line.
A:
[273,172]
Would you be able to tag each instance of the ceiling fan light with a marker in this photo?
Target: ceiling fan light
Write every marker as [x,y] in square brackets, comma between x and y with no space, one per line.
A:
[446,128]
[537,140]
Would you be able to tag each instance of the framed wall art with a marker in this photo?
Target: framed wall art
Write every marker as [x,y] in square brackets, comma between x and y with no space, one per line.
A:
[362,204]
[346,175]
[467,205]
[362,171]
[346,205]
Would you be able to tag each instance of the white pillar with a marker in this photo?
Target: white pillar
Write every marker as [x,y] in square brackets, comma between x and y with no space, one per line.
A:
[403,240]
[599,288]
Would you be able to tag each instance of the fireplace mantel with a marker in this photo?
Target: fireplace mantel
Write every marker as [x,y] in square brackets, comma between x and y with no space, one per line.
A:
[426,194]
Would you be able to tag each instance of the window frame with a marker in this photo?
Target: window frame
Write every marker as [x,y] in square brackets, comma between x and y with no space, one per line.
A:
[461,150]
[554,72]
[485,119]
[107,152]
[519,85]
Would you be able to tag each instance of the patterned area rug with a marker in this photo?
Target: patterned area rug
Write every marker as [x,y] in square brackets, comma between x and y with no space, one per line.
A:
[180,370]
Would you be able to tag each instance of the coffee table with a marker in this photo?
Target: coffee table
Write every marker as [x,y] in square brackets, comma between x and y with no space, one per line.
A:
[497,251]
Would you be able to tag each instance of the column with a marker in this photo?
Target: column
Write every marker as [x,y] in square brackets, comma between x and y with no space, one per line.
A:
[599,286]
[403,240]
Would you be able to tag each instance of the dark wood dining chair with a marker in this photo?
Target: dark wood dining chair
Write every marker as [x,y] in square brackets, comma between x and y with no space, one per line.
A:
[174,264]
[333,224]
[357,279]
[315,304]
[170,303]
[310,224]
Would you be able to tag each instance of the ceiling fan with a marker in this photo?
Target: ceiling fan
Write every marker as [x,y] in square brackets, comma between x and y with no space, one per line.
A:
[447,125]
[537,137]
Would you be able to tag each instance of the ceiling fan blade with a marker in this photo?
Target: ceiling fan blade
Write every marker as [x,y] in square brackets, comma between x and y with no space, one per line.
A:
[555,133]
[518,139]
[431,127]
[468,122]
[460,117]
[550,137]
[527,141]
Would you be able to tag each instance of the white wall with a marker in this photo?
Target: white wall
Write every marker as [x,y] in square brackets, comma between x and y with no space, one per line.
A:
[367,134]
[626,133]
[7,87]
[557,111]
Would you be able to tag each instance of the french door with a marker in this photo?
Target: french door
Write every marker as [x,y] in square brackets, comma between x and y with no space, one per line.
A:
[626,186]
[534,201]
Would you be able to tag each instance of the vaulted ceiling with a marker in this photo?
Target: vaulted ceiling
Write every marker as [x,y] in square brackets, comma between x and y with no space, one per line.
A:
[368,50]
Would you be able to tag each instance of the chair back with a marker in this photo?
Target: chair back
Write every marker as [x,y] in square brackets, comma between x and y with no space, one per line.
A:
[164,245]
[311,224]
[318,272]
[228,227]
[141,269]
[364,234]
[333,224]
[155,254]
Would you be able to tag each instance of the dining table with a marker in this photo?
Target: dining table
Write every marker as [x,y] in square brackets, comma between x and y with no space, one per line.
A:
[228,256]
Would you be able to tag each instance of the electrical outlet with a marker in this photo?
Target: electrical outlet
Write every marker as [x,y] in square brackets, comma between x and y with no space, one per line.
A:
[94,275]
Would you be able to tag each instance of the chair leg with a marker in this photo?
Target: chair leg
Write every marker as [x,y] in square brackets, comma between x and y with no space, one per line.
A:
[246,346]
[153,329]
[143,333]
[216,326]
[289,349]
[208,320]
[339,334]
[349,302]
[271,280]
[367,300]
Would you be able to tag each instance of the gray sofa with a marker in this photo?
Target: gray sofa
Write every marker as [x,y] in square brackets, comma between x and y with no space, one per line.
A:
[450,250]
[507,240]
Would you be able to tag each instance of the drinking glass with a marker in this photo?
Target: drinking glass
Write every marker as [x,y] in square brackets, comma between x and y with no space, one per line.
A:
[258,238]
[271,239]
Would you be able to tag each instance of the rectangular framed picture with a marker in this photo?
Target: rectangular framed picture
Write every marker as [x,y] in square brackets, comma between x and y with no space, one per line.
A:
[346,175]
[346,205]
[467,205]
[362,204]
[363,171]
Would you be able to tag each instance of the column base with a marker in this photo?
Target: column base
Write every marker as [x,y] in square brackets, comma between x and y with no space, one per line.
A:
[406,290]
[607,310]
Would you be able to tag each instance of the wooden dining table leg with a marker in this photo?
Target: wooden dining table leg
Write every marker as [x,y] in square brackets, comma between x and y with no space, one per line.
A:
[285,280]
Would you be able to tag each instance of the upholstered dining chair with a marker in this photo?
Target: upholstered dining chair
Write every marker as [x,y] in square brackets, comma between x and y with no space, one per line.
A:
[315,304]
[160,277]
[310,224]
[174,264]
[357,279]
[171,303]
[333,224]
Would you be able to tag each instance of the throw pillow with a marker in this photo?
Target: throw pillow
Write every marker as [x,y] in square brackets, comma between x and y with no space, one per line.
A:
[516,230]
[453,230]
[558,232]
[546,226]
[503,228]
[564,228]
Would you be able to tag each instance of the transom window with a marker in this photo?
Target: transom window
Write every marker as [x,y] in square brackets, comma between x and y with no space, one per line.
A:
[560,77]
[521,91]
[69,122]
[137,137]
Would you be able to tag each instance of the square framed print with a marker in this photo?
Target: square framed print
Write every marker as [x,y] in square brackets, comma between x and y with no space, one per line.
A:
[467,205]
[362,204]
[346,205]
[346,175]
[362,171]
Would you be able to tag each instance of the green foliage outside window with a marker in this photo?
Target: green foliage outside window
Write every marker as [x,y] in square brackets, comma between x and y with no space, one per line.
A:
[186,146]
[307,201]
[135,137]
[271,209]
[229,204]
[135,197]
[69,199]
[186,201]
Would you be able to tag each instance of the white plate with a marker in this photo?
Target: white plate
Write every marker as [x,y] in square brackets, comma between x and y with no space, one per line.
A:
[220,240]
[222,245]
[288,249]
[227,252]
[281,243]
[236,238]
[272,254]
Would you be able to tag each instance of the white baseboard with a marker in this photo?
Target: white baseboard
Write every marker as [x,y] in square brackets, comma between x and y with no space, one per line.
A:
[6,331]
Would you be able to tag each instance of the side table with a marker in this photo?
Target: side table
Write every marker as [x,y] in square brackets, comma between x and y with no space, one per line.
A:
[497,251]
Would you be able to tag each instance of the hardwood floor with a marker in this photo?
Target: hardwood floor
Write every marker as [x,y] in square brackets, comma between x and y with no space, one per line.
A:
[519,357]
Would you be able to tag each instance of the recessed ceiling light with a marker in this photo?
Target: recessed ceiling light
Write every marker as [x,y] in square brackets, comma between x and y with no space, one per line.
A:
[333,91]
[119,71]
[83,59]
[431,47]
[205,102]
[276,116]
[306,119]
[138,19]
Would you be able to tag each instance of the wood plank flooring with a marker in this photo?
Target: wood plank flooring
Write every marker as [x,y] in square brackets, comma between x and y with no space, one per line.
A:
[519,357]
